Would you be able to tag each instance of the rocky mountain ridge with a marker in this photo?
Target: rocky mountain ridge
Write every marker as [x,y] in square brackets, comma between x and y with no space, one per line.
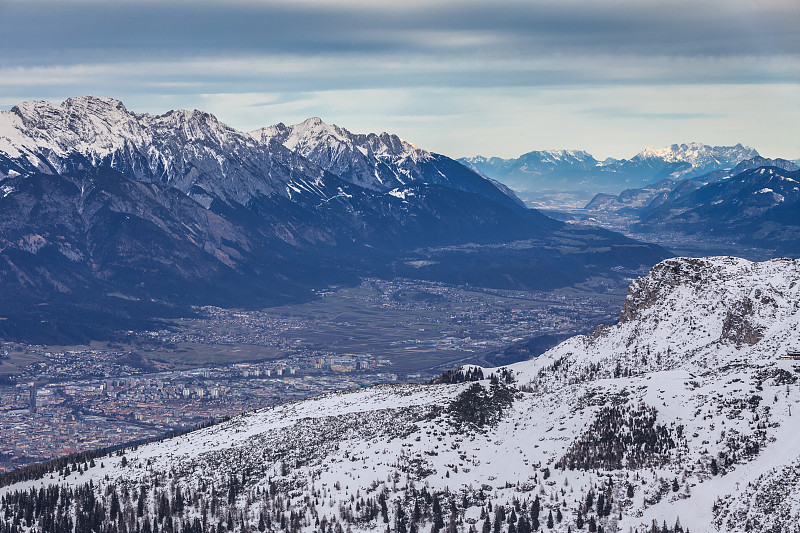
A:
[380,162]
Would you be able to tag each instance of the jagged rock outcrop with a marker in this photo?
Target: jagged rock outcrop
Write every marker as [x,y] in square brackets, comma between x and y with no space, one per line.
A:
[694,313]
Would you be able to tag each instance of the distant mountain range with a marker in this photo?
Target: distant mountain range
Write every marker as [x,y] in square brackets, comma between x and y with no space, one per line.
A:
[757,203]
[634,200]
[577,170]
[110,216]
[757,207]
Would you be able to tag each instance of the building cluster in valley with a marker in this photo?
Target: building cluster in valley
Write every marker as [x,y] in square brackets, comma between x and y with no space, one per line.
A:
[47,414]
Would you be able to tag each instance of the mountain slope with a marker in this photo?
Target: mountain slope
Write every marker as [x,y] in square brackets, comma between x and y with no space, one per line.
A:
[122,251]
[701,436]
[759,207]
[634,201]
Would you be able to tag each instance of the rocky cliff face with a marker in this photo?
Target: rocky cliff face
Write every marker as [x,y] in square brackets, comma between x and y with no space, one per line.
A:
[696,313]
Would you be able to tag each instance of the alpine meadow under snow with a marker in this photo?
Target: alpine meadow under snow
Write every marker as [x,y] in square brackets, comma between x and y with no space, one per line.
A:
[678,418]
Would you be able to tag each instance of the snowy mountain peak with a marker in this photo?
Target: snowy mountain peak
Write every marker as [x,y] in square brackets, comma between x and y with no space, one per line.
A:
[694,314]
[94,104]
[309,135]
[312,121]
[375,161]
[700,155]
[188,149]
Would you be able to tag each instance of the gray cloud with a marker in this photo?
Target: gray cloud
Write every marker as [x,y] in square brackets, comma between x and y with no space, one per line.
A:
[278,60]
[60,29]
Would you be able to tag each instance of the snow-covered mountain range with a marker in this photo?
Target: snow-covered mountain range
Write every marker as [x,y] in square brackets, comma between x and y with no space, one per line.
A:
[377,162]
[189,150]
[197,154]
[179,209]
[678,418]
[577,170]
[700,156]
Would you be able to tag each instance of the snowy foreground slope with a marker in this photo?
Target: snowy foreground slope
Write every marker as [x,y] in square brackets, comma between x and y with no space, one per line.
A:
[681,414]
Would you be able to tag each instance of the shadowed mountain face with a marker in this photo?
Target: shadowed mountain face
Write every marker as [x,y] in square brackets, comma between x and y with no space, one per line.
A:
[109,217]
[759,206]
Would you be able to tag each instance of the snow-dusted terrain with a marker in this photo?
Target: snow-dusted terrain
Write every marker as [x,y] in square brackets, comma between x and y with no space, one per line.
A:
[682,412]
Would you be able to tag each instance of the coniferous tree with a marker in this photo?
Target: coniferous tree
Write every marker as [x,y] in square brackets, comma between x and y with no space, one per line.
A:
[438,519]
[535,510]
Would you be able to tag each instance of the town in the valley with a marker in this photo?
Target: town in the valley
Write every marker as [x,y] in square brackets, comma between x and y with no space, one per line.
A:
[61,400]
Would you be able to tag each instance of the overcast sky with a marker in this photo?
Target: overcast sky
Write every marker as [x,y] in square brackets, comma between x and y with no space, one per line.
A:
[458,77]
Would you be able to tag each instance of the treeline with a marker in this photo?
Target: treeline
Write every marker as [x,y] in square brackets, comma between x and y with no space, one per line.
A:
[172,509]
[234,504]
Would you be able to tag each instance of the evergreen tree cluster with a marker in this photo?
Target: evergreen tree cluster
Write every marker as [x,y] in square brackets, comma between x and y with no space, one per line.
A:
[621,437]
[739,448]
[459,375]
[481,407]
[664,528]
[233,506]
